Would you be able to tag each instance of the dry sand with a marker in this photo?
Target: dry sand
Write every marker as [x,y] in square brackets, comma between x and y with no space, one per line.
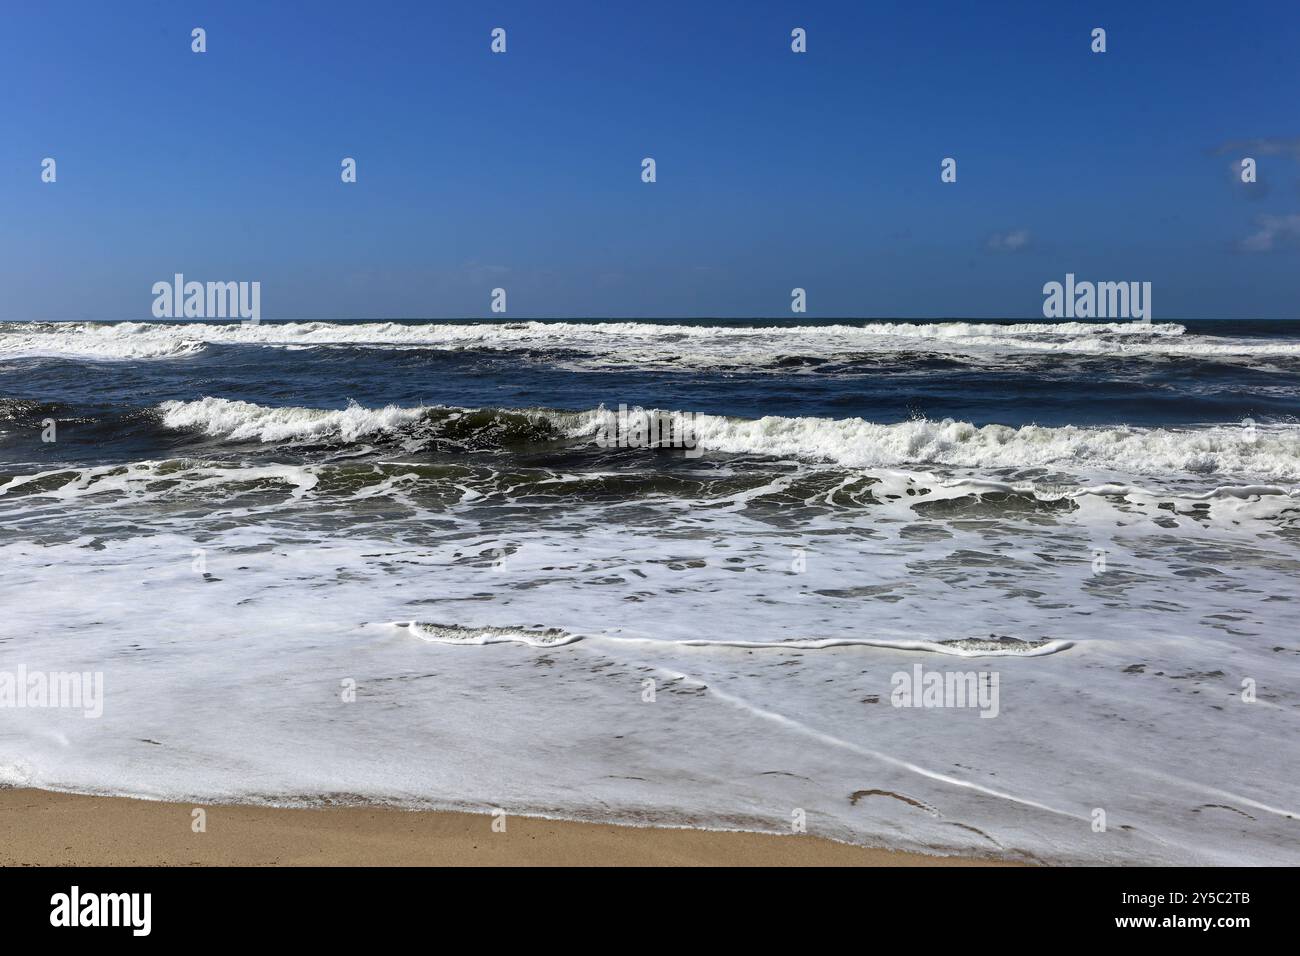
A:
[40,828]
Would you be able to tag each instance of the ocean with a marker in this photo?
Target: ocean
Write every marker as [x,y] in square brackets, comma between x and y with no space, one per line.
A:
[391,562]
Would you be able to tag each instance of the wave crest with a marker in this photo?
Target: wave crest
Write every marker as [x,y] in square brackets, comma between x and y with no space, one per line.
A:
[1262,453]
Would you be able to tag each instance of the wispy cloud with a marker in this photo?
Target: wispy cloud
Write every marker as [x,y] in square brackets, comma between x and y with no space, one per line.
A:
[1263,146]
[1270,231]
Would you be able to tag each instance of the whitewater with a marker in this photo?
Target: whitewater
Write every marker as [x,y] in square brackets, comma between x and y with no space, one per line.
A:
[388,562]
[619,344]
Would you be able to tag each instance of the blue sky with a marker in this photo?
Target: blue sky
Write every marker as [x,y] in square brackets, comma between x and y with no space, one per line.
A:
[775,169]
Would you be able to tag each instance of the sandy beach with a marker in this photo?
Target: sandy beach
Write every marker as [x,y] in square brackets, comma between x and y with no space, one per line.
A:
[41,828]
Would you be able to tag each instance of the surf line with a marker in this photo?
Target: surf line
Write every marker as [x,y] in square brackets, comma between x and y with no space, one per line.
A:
[459,634]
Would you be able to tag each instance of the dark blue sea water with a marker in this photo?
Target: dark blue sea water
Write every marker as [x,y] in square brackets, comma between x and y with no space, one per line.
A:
[1131,378]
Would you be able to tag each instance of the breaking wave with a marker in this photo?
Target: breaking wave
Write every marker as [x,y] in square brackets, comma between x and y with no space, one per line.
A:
[1262,453]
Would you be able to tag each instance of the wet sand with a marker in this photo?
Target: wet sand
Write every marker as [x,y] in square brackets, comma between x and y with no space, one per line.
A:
[41,828]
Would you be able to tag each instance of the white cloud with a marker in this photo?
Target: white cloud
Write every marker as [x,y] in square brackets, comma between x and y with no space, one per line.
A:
[1269,230]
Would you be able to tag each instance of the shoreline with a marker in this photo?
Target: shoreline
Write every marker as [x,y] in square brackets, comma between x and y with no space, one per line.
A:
[49,828]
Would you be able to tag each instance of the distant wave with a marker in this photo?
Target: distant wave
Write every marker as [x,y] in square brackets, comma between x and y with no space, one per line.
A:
[628,344]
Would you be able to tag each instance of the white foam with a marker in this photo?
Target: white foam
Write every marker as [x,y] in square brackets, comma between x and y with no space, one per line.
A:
[227,684]
[110,342]
[953,648]
[554,637]
[625,344]
[246,421]
[1270,454]
[457,634]
[150,480]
